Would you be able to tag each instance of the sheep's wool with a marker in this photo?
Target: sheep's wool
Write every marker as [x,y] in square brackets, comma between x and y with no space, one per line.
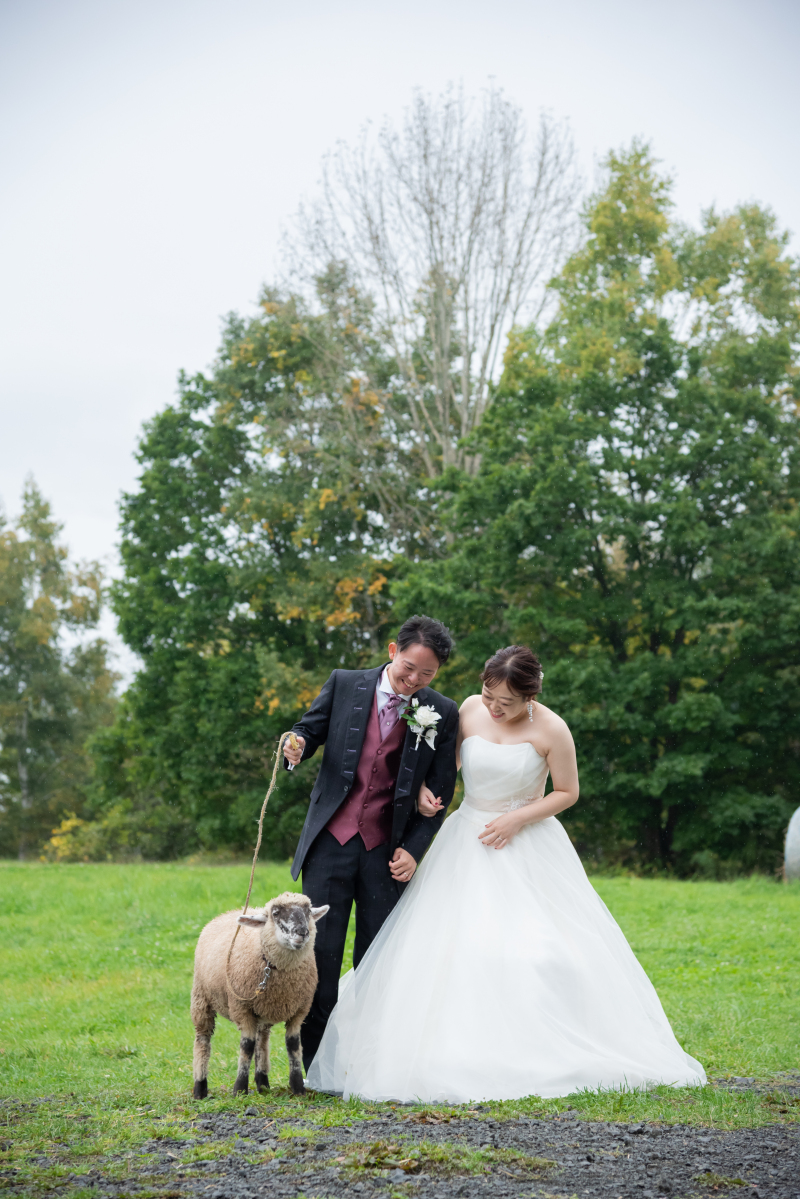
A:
[501,973]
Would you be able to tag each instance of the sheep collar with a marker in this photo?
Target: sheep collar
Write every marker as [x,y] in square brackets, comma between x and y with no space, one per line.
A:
[268,968]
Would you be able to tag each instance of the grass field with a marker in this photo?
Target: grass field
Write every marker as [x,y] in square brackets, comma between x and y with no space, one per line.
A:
[97,963]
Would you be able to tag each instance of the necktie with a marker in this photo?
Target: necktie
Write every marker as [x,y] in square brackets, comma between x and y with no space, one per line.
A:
[389,715]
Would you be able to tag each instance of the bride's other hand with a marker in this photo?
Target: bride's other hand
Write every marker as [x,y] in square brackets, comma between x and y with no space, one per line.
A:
[428,804]
[502,831]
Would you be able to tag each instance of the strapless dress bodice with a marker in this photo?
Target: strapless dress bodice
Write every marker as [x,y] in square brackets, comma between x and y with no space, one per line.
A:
[499,778]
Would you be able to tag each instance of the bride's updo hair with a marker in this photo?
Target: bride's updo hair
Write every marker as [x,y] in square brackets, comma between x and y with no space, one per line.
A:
[517,667]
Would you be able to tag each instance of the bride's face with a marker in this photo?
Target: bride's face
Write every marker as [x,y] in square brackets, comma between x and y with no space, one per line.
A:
[502,704]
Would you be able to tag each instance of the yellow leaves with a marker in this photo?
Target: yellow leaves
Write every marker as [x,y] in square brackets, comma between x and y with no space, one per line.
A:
[60,847]
[367,403]
[298,331]
[41,621]
[668,275]
[218,648]
[308,532]
[269,699]
[244,352]
[286,689]
[292,612]
[346,591]
[522,362]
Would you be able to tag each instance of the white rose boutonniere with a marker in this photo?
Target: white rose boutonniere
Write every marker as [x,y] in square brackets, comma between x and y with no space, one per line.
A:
[422,720]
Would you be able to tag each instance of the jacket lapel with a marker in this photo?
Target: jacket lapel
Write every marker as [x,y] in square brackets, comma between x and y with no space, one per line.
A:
[410,758]
[360,706]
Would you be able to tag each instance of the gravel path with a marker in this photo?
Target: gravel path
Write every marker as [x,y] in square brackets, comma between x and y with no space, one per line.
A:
[582,1158]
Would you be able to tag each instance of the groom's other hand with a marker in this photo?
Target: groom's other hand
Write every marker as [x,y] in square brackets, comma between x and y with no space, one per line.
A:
[402,866]
[428,804]
[294,755]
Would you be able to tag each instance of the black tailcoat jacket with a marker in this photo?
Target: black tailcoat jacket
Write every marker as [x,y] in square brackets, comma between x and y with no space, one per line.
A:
[338,719]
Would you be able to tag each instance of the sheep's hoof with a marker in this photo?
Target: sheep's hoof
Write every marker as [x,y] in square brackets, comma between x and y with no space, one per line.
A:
[262,1081]
[200,1089]
[296,1084]
[240,1086]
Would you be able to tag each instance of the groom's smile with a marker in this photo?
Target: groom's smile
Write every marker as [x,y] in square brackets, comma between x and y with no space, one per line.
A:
[411,668]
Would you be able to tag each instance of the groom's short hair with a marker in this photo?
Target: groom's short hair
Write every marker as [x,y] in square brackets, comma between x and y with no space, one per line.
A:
[424,630]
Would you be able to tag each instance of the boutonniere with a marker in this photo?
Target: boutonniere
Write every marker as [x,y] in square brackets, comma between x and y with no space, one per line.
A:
[422,720]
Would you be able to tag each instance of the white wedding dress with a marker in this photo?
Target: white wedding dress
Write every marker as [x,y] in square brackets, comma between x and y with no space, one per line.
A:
[501,973]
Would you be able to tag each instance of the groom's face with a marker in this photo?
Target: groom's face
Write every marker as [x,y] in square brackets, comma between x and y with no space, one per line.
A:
[411,668]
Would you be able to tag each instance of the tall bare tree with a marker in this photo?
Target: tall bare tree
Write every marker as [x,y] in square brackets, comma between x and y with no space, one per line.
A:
[454,224]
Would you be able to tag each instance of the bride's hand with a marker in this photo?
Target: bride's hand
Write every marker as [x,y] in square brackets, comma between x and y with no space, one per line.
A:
[501,831]
[427,803]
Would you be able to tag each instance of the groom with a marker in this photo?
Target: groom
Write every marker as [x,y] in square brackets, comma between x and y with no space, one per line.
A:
[363,836]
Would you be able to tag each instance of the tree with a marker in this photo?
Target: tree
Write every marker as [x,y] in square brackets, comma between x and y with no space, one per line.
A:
[635,518]
[253,554]
[51,698]
[453,225]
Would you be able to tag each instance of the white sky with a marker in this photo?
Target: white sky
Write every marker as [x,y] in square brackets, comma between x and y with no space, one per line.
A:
[151,152]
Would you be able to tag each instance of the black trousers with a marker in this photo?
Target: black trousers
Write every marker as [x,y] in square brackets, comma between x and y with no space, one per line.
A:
[337,875]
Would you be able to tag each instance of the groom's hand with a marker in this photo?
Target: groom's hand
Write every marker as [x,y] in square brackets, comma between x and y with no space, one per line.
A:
[402,866]
[294,755]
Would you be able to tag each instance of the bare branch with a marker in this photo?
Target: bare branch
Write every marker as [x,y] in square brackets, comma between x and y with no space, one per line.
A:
[454,224]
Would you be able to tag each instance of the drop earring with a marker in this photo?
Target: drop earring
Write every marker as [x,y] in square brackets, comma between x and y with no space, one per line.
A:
[530,710]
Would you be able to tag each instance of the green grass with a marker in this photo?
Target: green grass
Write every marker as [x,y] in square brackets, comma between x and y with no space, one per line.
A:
[97,964]
[725,960]
[437,1157]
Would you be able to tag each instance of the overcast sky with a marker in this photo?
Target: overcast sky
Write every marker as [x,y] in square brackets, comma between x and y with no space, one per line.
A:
[152,151]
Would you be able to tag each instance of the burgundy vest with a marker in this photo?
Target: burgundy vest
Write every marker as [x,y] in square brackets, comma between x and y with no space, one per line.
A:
[369,806]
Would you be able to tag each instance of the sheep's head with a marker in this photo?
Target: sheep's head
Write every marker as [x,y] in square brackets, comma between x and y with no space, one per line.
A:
[290,918]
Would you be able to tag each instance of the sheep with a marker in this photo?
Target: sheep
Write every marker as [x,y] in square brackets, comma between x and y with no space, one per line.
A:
[275,966]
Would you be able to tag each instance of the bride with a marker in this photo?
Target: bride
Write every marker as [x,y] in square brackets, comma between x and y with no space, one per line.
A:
[500,974]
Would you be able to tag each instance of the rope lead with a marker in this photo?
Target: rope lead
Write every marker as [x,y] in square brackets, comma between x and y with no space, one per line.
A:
[294,744]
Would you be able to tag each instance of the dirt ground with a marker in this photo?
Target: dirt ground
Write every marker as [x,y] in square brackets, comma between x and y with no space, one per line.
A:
[414,1156]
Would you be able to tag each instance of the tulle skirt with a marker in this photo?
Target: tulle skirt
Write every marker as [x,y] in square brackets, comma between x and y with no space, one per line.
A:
[500,974]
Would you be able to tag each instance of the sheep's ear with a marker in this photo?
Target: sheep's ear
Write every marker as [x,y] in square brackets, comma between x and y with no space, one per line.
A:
[318,913]
[253,919]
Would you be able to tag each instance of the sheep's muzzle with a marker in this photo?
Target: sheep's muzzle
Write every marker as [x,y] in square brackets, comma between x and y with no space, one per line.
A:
[292,925]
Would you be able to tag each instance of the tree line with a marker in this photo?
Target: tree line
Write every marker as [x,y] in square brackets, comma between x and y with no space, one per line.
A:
[621,493]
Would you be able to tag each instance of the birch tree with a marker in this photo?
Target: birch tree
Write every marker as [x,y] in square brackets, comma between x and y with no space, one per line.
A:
[454,223]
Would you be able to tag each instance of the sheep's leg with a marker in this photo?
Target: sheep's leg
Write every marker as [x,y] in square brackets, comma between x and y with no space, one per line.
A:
[204,1019]
[247,1045]
[295,1052]
[262,1057]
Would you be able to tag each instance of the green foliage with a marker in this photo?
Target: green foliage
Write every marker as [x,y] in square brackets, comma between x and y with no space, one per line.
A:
[631,510]
[635,519]
[254,564]
[51,698]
